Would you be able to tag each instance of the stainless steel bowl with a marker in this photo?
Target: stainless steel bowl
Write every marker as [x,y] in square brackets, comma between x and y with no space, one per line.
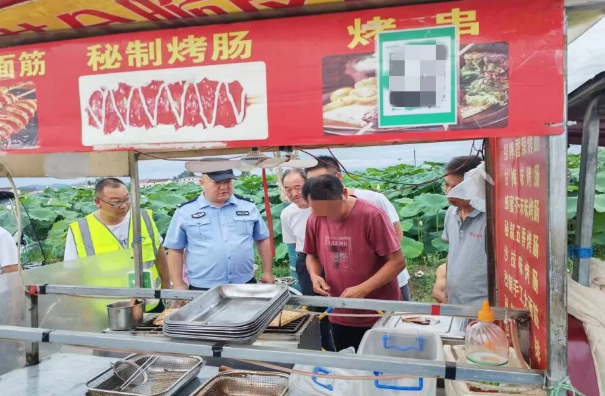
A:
[123,316]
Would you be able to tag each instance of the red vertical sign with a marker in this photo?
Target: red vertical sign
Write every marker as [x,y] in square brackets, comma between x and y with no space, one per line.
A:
[521,232]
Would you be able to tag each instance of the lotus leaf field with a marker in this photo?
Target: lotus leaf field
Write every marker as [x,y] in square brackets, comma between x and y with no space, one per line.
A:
[416,192]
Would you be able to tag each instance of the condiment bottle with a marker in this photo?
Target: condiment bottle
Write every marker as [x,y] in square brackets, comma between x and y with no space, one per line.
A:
[486,343]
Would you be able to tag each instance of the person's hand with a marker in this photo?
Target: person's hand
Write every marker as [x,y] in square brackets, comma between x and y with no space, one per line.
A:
[320,286]
[178,303]
[267,278]
[166,285]
[354,292]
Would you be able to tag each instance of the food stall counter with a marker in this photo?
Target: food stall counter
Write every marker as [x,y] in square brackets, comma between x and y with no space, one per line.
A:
[65,374]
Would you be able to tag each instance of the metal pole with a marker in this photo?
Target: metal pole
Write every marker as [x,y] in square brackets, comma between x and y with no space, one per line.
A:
[314,301]
[586,194]
[556,248]
[492,277]
[393,365]
[135,212]
[557,258]
[32,349]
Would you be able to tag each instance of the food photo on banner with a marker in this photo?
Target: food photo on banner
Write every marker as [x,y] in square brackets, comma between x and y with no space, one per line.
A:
[350,90]
[226,102]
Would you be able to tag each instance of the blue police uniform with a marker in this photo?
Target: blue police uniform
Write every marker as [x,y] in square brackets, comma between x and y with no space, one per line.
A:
[219,242]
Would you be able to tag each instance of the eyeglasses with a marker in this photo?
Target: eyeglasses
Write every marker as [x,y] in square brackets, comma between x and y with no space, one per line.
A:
[116,204]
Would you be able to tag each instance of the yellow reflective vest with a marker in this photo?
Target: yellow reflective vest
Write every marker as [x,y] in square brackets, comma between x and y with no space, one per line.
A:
[92,237]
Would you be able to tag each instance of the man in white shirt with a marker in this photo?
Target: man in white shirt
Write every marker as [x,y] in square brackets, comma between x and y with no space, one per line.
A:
[329,165]
[8,252]
[294,224]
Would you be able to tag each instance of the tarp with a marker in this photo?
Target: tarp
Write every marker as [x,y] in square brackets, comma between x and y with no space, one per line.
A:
[587,304]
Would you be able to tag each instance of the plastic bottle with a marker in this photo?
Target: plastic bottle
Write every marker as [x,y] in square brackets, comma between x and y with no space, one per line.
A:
[486,343]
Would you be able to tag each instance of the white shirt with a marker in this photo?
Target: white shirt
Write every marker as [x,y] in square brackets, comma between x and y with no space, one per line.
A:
[294,224]
[387,207]
[120,231]
[8,249]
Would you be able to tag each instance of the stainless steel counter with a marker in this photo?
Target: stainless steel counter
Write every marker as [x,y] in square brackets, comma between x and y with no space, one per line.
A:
[64,374]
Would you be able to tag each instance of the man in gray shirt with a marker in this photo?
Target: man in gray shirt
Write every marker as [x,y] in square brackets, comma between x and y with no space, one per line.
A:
[464,231]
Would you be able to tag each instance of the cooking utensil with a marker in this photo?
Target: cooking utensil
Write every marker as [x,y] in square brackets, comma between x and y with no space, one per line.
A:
[166,376]
[245,383]
[124,369]
[124,316]
[139,373]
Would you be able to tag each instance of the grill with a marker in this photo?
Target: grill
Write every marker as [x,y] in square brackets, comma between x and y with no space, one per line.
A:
[291,328]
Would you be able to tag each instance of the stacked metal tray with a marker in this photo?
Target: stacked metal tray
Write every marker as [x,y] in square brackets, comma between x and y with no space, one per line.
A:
[228,313]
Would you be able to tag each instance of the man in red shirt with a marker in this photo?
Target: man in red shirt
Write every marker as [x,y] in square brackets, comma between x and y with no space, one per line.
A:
[357,246]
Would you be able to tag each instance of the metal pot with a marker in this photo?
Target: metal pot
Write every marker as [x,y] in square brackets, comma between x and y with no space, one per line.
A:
[123,316]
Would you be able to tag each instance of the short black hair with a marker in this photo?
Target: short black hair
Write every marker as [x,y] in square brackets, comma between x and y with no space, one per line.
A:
[299,171]
[110,182]
[326,162]
[323,188]
[460,165]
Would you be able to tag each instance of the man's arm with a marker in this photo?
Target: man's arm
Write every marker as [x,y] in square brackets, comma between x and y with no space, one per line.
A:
[314,268]
[10,268]
[392,214]
[161,264]
[175,268]
[261,236]
[440,285]
[266,256]
[389,271]
[176,242]
[398,231]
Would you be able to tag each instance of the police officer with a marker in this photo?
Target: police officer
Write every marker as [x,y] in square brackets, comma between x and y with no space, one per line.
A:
[215,232]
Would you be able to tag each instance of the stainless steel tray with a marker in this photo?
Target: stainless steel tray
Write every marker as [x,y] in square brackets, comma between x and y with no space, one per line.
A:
[231,336]
[165,377]
[272,311]
[229,306]
[245,383]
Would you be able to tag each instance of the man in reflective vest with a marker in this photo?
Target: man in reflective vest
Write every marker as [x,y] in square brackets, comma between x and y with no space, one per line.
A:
[110,229]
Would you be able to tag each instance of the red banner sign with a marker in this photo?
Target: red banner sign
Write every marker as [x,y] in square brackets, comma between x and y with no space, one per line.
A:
[521,233]
[445,71]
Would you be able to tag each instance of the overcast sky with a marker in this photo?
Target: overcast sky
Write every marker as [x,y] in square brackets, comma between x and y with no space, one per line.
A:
[586,58]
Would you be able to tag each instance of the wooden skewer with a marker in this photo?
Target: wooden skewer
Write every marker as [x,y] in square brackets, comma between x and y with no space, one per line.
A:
[465,49]
[25,94]
[16,86]
[251,100]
